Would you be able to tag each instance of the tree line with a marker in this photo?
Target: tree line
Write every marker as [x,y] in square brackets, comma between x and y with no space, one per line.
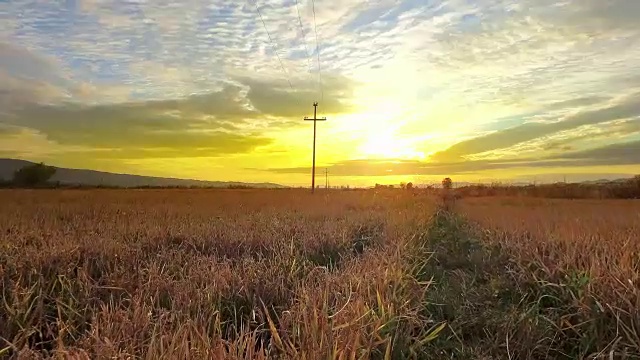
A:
[625,189]
[40,175]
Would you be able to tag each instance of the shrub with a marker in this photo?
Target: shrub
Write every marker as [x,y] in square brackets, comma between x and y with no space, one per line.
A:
[33,175]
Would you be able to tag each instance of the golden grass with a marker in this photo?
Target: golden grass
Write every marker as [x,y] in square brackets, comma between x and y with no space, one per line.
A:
[589,248]
[256,274]
[237,274]
[598,237]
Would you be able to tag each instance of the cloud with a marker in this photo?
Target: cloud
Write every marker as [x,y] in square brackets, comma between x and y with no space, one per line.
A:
[200,123]
[229,121]
[611,14]
[525,53]
[577,103]
[26,77]
[203,145]
[603,132]
[627,108]
[370,168]
[283,102]
[624,153]
[8,130]
[22,63]
[210,144]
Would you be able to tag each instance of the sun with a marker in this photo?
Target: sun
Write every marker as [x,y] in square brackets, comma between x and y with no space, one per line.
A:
[379,136]
[385,145]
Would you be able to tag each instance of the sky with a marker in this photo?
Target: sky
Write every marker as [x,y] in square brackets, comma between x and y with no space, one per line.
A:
[413,90]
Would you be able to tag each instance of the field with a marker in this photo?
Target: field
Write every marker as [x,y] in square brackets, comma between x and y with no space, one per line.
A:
[250,274]
[573,267]
[211,273]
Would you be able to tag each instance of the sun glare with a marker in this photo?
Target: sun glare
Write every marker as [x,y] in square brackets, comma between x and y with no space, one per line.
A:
[381,140]
[387,146]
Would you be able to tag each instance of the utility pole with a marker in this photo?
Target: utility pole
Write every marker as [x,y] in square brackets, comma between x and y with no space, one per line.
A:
[315,119]
[326,178]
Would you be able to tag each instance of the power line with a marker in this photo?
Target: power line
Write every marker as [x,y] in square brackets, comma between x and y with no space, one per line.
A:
[273,45]
[315,26]
[304,37]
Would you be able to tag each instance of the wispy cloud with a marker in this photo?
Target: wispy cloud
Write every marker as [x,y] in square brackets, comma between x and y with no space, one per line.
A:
[625,153]
[627,108]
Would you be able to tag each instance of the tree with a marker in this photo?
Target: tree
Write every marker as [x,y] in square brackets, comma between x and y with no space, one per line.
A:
[447,183]
[32,175]
[409,186]
[403,185]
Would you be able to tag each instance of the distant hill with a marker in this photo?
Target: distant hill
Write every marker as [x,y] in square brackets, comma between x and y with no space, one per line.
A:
[97,178]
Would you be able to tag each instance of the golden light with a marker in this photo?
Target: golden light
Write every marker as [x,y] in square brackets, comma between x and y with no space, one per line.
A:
[380,138]
[386,146]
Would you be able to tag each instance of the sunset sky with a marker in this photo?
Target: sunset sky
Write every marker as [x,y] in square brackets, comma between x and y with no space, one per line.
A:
[413,90]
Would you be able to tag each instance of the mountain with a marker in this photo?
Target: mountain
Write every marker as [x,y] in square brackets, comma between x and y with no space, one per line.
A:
[95,178]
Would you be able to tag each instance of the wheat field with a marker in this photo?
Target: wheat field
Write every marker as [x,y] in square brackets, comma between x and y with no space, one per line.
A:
[581,259]
[284,274]
[238,274]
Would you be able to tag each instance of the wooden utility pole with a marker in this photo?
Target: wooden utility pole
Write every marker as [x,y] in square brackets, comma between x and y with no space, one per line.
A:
[315,119]
[326,178]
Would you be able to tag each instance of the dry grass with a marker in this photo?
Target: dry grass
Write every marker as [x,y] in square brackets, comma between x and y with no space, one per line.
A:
[600,238]
[238,274]
[581,258]
[251,274]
